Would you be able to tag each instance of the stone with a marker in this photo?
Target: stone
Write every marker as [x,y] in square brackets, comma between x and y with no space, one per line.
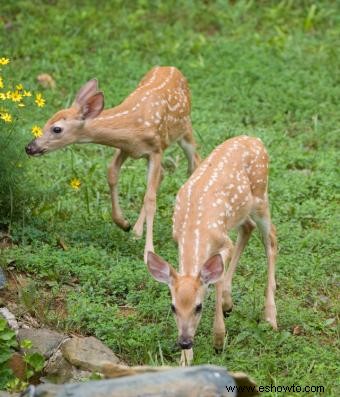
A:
[88,353]
[324,299]
[58,370]
[44,340]
[200,381]
[10,318]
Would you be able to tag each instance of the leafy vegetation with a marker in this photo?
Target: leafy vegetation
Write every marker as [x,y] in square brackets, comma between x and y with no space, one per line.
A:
[34,362]
[7,342]
[264,68]
[15,103]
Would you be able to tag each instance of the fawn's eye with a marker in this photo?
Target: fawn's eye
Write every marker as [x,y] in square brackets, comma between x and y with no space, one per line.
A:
[57,130]
[173,309]
[198,308]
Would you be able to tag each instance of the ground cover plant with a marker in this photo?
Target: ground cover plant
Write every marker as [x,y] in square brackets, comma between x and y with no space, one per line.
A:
[263,68]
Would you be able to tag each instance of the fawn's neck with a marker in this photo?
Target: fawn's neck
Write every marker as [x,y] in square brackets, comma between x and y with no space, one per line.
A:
[115,127]
[196,245]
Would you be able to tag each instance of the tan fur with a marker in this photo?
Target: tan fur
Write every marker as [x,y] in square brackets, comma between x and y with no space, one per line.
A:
[150,119]
[228,190]
[184,289]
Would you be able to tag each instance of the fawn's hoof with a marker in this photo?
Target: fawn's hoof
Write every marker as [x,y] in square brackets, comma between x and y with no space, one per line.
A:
[218,350]
[227,312]
[124,225]
[219,342]
[127,228]
[270,316]
[272,323]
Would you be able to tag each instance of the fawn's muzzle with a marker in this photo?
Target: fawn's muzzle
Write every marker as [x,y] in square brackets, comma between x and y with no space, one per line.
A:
[33,150]
[185,343]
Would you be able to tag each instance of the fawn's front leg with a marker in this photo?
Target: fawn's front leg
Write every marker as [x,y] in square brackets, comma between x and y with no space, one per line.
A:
[219,327]
[113,175]
[139,225]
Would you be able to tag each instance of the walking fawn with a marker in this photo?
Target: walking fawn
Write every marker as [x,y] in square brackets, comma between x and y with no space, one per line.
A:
[228,190]
[151,118]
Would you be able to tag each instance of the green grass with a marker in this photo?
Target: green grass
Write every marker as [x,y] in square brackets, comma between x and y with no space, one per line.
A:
[263,68]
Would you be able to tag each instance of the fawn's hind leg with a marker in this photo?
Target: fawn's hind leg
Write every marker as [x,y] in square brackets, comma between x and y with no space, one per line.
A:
[113,175]
[268,234]
[188,145]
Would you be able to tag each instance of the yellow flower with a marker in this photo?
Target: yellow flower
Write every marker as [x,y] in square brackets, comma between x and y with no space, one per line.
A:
[27,93]
[4,61]
[6,117]
[39,100]
[75,183]
[36,131]
[2,96]
[9,95]
[21,105]
[16,96]
[1,82]
[19,87]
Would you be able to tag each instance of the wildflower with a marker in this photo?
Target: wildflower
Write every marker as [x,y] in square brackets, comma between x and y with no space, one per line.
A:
[1,82]
[9,95]
[36,131]
[16,96]
[6,117]
[2,96]
[27,93]
[75,183]
[39,100]
[21,105]
[19,87]
[4,61]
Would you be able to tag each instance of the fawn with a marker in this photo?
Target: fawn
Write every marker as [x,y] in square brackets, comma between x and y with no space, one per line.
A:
[228,190]
[151,118]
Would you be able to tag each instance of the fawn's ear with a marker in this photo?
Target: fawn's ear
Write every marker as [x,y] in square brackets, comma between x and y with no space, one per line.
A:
[159,269]
[86,91]
[92,106]
[212,270]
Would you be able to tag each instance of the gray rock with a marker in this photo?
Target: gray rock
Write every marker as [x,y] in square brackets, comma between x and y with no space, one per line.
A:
[89,353]
[10,318]
[44,340]
[324,298]
[58,370]
[201,381]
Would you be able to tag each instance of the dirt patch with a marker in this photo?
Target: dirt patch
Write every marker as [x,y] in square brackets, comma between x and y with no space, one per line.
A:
[126,311]
[33,302]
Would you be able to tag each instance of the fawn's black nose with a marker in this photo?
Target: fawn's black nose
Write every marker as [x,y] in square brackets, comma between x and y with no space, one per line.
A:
[185,343]
[28,149]
[32,149]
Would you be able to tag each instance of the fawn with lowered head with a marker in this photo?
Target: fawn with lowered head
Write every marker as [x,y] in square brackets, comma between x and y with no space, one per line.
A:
[150,119]
[228,190]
